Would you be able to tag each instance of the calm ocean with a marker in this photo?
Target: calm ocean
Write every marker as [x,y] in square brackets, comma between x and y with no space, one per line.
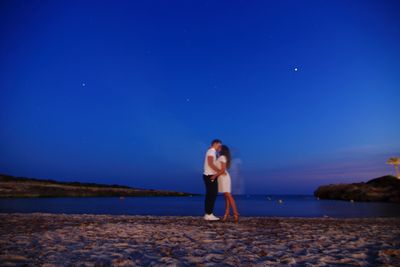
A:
[253,205]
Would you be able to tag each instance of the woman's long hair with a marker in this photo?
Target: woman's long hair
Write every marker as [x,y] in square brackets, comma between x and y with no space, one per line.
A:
[227,153]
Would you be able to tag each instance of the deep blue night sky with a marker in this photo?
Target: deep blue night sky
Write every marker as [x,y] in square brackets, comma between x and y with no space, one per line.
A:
[132,92]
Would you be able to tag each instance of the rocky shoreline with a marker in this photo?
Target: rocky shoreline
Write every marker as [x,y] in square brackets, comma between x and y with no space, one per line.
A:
[22,187]
[40,239]
[381,189]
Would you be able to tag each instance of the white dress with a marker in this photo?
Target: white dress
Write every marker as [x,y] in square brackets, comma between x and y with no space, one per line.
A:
[224,180]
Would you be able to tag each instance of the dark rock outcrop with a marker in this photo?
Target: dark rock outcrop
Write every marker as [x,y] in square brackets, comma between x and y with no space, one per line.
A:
[11,186]
[385,189]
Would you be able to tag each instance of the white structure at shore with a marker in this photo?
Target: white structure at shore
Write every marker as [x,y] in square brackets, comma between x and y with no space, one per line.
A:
[237,178]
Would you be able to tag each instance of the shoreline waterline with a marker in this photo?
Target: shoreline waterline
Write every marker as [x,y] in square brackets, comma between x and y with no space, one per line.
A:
[256,205]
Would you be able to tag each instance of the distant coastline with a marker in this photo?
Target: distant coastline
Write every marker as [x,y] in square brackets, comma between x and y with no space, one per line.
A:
[18,187]
[381,189]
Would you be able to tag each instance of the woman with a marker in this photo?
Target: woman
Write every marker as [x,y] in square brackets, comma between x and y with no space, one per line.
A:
[224,182]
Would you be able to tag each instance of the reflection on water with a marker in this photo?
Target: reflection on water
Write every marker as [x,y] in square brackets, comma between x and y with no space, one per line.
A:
[285,206]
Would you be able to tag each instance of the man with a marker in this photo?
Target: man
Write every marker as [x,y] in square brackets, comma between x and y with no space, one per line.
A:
[211,184]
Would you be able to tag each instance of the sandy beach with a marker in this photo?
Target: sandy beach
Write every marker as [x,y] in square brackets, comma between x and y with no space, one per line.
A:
[104,240]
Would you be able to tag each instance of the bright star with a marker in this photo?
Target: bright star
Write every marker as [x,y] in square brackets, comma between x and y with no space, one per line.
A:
[83,84]
[296,69]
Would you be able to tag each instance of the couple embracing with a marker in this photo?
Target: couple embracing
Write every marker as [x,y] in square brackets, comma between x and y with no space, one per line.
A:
[217,179]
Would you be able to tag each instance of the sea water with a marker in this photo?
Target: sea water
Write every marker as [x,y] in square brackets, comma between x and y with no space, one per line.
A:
[248,205]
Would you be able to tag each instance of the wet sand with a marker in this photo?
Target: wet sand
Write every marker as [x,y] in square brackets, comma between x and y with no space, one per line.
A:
[105,240]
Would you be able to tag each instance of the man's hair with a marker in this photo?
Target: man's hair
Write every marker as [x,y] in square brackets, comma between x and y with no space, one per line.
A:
[216,141]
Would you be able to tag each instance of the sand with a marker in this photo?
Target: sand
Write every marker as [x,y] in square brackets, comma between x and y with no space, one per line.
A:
[39,239]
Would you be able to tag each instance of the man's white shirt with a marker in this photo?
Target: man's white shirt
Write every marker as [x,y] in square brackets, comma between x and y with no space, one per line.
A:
[207,169]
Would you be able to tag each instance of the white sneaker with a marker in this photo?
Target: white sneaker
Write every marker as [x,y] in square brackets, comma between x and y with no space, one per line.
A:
[210,217]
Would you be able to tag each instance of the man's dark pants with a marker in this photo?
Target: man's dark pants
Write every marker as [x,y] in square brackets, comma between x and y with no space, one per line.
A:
[211,193]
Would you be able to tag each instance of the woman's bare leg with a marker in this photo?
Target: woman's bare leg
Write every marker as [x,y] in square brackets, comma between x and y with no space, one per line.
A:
[227,206]
[233,205]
